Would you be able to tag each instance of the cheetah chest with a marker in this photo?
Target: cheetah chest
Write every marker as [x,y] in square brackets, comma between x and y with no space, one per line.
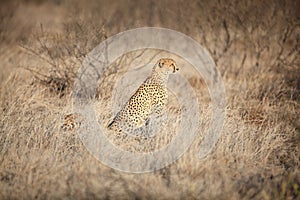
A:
[149,99]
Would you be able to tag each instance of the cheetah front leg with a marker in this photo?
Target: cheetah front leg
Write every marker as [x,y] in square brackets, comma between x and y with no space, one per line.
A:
[161,115]
[157,120]
[159,111]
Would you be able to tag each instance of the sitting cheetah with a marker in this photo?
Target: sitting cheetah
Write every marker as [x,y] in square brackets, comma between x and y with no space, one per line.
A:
[149,100]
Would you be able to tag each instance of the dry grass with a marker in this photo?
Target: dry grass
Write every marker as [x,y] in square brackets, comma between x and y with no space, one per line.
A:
[256,48]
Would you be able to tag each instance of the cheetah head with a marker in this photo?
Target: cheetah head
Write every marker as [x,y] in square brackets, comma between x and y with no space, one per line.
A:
[166,65]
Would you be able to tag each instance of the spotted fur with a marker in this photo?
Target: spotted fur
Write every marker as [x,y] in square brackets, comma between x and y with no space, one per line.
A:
[149,99]
[72,121]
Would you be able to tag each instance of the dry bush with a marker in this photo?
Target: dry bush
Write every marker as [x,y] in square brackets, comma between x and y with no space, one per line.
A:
[256,48]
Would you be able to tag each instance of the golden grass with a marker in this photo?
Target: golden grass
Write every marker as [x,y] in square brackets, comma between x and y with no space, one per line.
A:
[256,49]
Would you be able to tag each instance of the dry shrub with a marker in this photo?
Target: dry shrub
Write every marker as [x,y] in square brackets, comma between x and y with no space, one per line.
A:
[256,48]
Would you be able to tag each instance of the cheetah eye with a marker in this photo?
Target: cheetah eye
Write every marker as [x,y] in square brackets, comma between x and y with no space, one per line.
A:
[161,64]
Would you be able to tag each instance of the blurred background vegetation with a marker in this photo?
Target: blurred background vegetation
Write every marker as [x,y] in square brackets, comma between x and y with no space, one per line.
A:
[255,45]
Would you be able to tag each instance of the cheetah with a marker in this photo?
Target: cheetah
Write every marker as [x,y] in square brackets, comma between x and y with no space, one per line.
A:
[72,121]
[149,100]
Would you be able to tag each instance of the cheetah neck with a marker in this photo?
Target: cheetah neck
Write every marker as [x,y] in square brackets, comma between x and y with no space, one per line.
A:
[158,78]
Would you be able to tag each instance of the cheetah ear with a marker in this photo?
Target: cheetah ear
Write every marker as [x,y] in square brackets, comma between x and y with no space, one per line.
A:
[161,64]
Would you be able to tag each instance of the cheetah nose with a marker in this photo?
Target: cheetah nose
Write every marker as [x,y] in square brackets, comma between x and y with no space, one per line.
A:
[176,69]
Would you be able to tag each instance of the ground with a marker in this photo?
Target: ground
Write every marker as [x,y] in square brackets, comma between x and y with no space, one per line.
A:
[255,46]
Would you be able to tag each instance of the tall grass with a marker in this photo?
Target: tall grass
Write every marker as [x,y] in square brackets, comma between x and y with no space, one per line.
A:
[256,49]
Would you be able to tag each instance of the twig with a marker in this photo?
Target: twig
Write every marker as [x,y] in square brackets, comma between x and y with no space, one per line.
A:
[37,54]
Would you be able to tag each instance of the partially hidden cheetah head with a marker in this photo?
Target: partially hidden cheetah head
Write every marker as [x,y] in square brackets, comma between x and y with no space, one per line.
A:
[166,65]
